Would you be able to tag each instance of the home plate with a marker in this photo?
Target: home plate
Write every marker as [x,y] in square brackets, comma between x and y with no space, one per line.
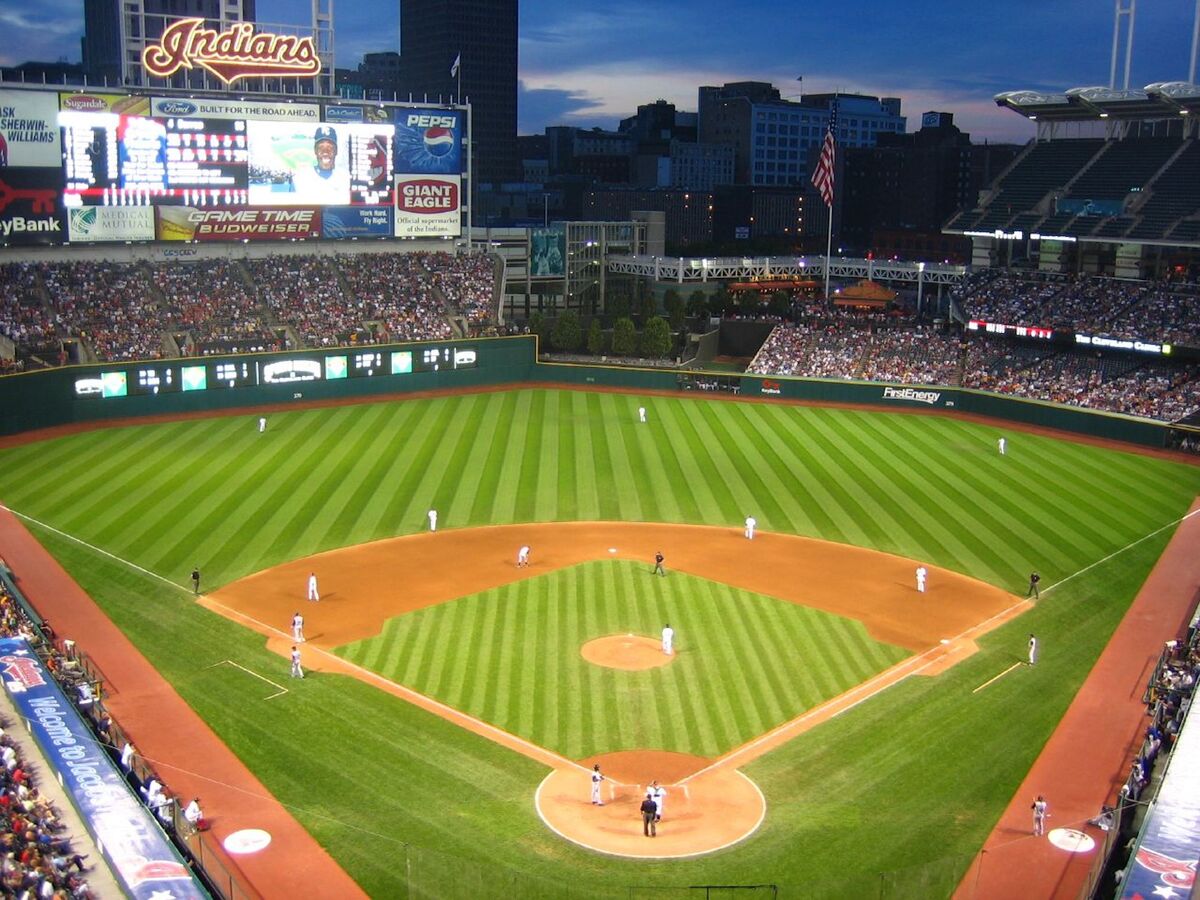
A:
[612,549]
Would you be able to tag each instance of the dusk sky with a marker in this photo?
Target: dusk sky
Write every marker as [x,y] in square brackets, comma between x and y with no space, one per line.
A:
[592,64]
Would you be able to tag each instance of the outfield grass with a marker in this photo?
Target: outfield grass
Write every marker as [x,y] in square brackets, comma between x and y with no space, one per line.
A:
[744,664]
[898,792]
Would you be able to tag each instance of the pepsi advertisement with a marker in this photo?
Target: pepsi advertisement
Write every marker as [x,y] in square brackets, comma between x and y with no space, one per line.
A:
[141,855]
[429,141]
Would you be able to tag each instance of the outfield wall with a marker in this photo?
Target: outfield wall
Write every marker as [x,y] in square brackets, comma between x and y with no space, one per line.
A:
[79,394]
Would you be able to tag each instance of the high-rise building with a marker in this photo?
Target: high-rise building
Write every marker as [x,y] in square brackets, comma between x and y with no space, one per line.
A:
[481,37]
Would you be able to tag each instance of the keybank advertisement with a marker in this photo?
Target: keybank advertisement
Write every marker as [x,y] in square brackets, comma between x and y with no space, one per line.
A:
[238,223]
[429,142]
[94,224]
[31,206]
[141,855]
[29,129]
[427,206]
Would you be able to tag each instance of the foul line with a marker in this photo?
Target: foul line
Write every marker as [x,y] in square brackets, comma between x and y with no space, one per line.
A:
[282,690]
[995,678]
[93,547]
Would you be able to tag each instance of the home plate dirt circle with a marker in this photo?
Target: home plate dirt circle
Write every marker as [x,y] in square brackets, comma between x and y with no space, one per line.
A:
[625,651]
[704,810]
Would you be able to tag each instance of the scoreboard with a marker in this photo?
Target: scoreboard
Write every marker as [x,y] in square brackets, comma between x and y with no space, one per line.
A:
[171,377]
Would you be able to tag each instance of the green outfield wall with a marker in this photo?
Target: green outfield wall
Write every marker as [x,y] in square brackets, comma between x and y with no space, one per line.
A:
[173,387]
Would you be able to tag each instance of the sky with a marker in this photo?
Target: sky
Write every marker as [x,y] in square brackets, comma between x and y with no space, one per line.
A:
[592,64]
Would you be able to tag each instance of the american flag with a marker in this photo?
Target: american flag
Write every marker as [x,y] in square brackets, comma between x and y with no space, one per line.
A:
[822,178]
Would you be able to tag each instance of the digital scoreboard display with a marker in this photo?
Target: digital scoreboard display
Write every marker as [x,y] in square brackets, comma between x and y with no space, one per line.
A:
[118,160]
[153,378]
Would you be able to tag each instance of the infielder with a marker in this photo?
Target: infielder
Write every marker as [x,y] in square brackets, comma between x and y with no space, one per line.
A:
[297,672]
[523,557]
[1033,650]
[641,414]
[668,639]
[658,564]
[1003,445]
[298,628]
[312,587]
[433,520]
[1040,811]
[751,524]
[922,572]
[596,779]
[262,424]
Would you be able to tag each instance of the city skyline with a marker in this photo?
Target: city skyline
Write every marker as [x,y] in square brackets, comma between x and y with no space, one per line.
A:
[592,67]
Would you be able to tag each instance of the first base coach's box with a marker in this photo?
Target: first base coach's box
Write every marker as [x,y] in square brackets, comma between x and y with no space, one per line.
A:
[94,393]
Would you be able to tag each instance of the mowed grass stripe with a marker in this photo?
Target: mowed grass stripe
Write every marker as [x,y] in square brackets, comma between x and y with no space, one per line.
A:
[752,483]
[567,470]
[625,488]
[697,501]
[713,490]
[493,436]
[425,455]
[578,479]
[525,507]
[776,465]
[515,436]
[605,476]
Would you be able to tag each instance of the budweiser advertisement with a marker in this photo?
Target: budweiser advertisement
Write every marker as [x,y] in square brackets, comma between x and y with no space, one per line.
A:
[238,52]
[428,206]
[238,223]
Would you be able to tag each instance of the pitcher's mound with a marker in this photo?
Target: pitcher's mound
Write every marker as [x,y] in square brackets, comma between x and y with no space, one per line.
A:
[701,814]
[625,651]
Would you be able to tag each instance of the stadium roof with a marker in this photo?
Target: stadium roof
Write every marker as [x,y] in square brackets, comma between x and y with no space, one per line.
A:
[1163,99]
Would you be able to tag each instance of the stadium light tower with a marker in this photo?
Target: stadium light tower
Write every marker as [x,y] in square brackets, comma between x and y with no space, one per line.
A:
[1129,11]
[1195,44]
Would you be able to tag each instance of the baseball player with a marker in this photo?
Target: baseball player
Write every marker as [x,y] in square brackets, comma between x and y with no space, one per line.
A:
[596,779]
[1034,579]
[262,424]
[1033,650]
[433,520]
[196,580]
[668,639]
[523,556]
[659,795]
[297,672]
[641,414]
[325,182]
[658,564]
[312,587]
[751,524]
[922,572]
[1003,445]
[298,628]
[1041,809]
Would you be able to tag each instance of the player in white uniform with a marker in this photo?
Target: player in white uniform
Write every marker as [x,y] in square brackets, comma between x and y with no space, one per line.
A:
[922,572]
[596,779]
[262,424]
[668,639]
[433,520]
[312,587]
[659,794]
[523,557]
[1003,445]
[751,524]
[641,414]
[297,672]
[1033,650]
[298,628]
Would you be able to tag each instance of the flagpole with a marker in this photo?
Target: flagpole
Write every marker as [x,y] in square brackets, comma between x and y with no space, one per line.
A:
[828,249]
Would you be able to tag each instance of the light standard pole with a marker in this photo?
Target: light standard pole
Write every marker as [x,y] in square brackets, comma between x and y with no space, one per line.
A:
[545,210]
[920,286]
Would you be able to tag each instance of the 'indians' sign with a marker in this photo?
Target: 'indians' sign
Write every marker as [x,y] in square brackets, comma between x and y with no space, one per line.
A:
[230,55]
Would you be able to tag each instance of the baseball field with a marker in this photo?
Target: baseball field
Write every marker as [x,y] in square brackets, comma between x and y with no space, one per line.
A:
[892,797]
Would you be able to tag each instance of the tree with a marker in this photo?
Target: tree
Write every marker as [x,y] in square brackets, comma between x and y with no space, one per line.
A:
[537,325]
[624,337]
[697,304]
[647,305]
[781,304]
[675,308]
[656,338]
[595,337]
[720,301]
[619,305]
[567,334]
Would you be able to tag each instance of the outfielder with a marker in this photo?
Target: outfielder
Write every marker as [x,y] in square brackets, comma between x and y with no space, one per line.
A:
[262,424]
[668,639]
[312,587]
[433,520]
[523,557]
[751,524]
[641,414]
[298,628]
[1003,445]
[297,672]
[1033,650]
[922,572]
[596,779]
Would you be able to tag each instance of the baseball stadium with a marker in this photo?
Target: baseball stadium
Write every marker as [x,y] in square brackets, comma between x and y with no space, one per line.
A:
[970,582]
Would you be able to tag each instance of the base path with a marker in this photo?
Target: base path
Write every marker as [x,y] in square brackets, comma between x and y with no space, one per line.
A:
[1087,758]
[186,753]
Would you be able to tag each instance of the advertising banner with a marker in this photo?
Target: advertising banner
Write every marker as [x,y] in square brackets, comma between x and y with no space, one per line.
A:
[141,855]
[341,222]
[549,251]
[29,129]
[429,142]
[187,223]
[31,206]
[1089,207]
[95,224]
[343,113]
[88,101]
[428,206]
[235,109]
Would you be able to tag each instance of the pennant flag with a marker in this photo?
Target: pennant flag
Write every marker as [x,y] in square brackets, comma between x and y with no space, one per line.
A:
[454,68]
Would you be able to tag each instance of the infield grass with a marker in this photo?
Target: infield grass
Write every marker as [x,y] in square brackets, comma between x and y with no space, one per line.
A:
[890,799]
